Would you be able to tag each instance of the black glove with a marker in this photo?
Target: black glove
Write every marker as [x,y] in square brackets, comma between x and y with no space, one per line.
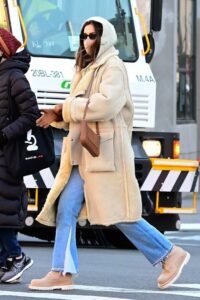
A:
[3,139]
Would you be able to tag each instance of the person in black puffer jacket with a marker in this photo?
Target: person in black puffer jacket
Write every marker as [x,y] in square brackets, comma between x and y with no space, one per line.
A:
[13,196]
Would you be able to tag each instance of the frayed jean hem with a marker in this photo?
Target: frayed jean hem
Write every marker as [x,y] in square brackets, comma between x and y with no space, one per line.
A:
[61,270]
[160,260]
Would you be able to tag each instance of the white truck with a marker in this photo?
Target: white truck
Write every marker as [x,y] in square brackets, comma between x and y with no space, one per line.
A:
[49,29]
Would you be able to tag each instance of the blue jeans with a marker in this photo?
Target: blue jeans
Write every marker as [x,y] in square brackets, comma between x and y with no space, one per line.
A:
[145,237]
[9,245]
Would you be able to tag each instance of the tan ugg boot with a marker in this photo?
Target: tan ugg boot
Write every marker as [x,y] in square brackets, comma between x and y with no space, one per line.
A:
[52,281]
[172,267]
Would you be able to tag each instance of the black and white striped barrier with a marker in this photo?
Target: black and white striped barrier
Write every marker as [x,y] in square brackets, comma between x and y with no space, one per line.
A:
[173,175]
[42,179]
[170,175]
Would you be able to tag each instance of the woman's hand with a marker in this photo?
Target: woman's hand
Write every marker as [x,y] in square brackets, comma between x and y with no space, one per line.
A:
[47,118]
[58,109]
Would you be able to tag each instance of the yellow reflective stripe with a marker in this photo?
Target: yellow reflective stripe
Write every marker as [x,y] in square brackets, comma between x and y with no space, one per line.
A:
[174,164]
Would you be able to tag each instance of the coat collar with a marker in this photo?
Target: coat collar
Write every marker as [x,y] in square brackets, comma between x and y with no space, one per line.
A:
[82,79]
[103,58]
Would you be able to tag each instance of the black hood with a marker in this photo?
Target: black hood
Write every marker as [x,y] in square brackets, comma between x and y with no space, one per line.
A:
[20,61]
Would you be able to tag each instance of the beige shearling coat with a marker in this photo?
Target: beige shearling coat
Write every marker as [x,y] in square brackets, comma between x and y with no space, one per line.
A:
[111,190]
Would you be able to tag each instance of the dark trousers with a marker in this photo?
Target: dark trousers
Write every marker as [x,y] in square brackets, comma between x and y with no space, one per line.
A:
[9,245]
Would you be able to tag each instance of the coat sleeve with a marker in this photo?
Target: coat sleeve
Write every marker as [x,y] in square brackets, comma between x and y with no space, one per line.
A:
[25,104]
[104,105]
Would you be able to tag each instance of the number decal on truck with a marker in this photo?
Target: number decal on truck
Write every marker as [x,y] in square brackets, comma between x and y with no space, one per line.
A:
[44,73]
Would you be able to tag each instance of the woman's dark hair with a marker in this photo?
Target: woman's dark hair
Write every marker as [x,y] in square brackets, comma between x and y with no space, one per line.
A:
[82,58]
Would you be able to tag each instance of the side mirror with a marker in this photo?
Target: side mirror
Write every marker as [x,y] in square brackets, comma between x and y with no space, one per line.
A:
[156,15]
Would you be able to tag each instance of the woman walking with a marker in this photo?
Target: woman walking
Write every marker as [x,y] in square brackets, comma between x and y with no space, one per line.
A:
[107,182]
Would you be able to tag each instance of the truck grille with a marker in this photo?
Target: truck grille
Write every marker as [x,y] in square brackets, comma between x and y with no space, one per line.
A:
[142,105]
[142,111]
[50,98]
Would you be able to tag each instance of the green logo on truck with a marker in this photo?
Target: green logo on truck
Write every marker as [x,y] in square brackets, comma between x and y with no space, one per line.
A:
[66,84]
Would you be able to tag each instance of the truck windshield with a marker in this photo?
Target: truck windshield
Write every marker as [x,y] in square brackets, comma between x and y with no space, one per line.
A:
[53,26]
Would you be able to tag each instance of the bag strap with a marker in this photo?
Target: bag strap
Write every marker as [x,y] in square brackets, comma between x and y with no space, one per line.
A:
[87,94]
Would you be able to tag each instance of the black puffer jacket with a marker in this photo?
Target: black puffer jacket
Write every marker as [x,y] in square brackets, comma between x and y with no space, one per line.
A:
[13,198]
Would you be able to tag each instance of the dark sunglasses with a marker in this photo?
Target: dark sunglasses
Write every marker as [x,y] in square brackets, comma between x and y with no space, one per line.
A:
[84,36]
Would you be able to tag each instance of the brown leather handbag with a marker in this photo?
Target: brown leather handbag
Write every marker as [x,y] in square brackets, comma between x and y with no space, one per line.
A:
[89,139]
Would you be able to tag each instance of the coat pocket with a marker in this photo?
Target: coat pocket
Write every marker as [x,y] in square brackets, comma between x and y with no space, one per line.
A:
[105,162]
